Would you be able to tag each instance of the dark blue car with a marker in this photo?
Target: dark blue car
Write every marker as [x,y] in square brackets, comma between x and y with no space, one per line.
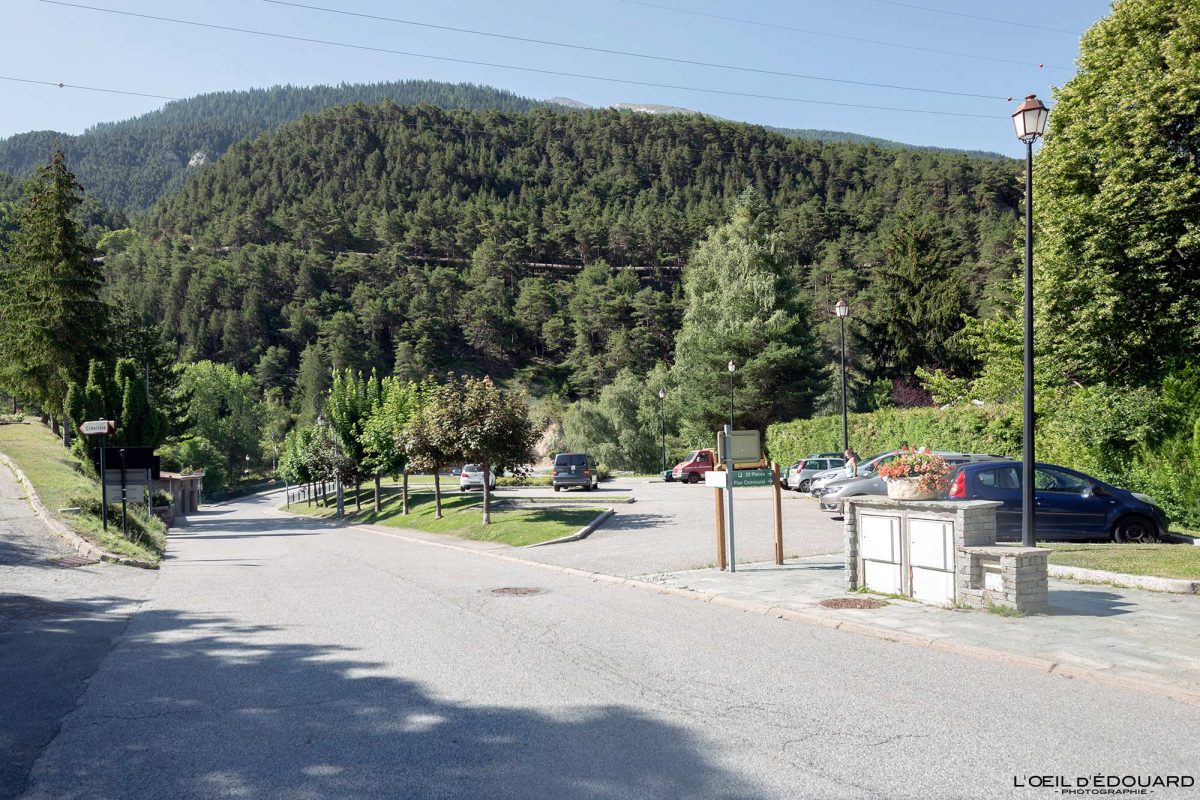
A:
[1071,506]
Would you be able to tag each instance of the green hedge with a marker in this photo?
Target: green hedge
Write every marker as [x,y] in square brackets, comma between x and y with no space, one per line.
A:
[969,429]
[1139,439]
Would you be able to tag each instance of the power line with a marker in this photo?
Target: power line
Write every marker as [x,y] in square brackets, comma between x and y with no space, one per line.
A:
[85,88]
[975,16]
[843,37]
[494,65]
[630,54]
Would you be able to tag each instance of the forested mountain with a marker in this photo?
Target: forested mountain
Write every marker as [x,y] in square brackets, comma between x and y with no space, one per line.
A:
[417,239]
[129,164]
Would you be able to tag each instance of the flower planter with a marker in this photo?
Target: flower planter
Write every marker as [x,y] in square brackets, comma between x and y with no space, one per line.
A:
[909,489]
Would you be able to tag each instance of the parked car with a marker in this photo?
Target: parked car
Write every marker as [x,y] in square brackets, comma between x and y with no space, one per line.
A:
[471,477]
[869,481]
[574,469]
[799,475]
[1069,505]
[824,479]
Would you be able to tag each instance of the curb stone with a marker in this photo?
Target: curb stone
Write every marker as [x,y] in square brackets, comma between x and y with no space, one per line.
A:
[1090,674]
[77,542]
[1150,582]
[583,532]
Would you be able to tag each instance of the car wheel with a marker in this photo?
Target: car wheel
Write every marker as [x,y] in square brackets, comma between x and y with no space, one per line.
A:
[694,477]
[557,488]
[803,487]
[1134,529]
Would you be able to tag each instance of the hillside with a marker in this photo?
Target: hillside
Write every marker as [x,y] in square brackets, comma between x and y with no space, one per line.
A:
[413,238]
[128,165]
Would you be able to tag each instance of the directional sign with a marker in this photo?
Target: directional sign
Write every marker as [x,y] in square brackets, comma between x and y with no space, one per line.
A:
[100,427]
[752,477]
[717,479]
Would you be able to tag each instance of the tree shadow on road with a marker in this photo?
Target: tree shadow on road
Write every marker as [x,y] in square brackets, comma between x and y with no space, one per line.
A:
[190,706]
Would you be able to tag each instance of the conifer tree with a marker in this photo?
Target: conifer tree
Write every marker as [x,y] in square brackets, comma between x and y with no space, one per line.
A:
[51,317]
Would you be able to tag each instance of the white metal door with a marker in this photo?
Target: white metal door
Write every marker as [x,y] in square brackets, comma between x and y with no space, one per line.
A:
[879,548]
[931,555]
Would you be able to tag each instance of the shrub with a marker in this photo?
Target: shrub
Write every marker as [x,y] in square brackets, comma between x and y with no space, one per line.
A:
[149,533]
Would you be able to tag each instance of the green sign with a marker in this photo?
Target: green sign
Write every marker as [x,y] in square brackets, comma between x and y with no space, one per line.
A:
[752,477]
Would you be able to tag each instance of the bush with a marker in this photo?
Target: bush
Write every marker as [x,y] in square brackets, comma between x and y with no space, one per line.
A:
[149,533]
[196,453]
[523,480]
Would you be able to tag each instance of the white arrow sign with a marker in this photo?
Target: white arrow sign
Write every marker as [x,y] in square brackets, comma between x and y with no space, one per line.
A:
[99,426]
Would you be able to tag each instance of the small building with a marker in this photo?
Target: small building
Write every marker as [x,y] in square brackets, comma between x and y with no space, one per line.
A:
[184,491]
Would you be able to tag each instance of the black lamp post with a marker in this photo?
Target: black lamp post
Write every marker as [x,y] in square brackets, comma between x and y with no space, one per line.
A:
[842,309]
[1029,121]
[732,367]
[662,421]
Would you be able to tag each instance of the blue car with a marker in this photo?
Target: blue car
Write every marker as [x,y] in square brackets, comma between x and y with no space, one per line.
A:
[1071,506]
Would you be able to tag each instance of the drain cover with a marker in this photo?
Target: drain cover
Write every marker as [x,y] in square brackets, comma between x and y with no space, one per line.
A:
[75,561]
[853,602]
[517,591]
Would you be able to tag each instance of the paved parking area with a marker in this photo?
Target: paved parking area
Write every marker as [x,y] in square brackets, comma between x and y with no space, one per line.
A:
[671,527]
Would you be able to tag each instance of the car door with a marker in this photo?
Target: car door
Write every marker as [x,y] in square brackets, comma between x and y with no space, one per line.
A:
[1003,484]
[1066,507]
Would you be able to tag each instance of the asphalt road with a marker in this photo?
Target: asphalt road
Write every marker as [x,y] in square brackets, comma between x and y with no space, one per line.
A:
[279,657]
[57,624]
[671,527]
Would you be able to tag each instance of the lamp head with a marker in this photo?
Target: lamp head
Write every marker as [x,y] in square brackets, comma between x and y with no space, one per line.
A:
[1029,120]
[841,308]
[662,393]
[731,366]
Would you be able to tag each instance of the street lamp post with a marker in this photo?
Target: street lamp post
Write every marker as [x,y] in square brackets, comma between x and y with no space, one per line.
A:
[842,309]
[662,422]
[732,367]
[1029,121]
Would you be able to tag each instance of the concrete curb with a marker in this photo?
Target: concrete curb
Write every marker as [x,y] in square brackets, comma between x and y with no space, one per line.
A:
[1174,585]
[77,542]
[582,533]
[1102,676]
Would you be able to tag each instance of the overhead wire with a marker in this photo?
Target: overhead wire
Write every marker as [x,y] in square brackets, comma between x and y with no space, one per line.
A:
[630,54]
[947,12]
[841,36]
[541,71]
[61,85]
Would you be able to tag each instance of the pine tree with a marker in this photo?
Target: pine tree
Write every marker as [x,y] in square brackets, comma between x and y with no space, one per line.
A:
[51,317]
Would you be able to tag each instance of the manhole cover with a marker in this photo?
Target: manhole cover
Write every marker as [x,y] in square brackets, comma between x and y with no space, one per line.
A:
[75,561]
[853,602]
[517,591]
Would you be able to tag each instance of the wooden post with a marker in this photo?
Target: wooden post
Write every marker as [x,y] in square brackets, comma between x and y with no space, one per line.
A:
[778,514]
[718,496]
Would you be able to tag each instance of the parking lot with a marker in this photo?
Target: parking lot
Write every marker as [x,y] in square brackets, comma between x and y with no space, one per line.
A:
[671,527]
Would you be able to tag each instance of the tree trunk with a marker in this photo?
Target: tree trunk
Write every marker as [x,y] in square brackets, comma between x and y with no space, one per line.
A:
[66,432]
[54,425]
[437,493]
[376,493]
[404,495]
[308,493]
[487,495]
[357,496]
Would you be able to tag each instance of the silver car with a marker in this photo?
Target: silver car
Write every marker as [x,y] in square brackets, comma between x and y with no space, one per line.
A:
[869,481]
[800,474]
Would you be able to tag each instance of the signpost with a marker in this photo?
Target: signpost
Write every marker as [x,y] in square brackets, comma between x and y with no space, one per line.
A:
[744,449]
[101,428]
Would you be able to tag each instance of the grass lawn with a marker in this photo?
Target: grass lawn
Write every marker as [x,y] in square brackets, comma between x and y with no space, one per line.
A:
[56,475]
[1158,560]
[462,516]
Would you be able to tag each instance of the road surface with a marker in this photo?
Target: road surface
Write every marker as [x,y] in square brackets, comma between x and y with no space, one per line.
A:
[279,657]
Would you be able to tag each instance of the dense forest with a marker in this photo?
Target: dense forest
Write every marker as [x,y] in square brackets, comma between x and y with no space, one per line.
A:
[545,245]
[130,164]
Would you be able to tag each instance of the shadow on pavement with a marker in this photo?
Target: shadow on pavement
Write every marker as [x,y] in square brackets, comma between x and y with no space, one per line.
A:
[201,707]
[1088,603]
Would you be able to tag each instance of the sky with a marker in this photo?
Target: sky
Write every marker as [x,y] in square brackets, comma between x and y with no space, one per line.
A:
[59,43]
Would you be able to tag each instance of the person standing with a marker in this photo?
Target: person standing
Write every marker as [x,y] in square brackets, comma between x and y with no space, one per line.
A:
[851,462]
